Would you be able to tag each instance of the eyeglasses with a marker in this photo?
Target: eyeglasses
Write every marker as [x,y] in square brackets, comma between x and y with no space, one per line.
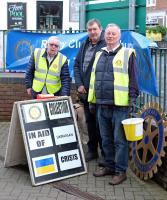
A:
[54,45]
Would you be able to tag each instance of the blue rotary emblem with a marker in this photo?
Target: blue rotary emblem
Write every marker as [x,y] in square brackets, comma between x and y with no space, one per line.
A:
[146,154]
[23,49]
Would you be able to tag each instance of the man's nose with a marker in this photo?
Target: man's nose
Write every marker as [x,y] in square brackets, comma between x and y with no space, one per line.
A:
[92,32]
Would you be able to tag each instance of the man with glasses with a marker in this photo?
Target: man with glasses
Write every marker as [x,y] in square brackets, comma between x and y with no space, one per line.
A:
[47,71]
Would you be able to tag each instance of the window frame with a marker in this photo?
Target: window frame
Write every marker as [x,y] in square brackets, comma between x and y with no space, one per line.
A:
[50,19]
[150,3]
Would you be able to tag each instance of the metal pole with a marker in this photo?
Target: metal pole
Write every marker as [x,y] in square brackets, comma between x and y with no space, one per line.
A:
[132,15]
[82,15]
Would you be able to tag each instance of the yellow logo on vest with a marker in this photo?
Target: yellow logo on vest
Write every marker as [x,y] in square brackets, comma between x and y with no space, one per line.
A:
[118,63]
[55,66]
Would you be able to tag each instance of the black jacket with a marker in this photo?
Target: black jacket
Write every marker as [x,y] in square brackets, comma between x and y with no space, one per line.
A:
[83,78]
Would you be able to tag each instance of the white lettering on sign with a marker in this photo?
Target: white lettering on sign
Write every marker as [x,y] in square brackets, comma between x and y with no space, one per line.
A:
[64,134]
[33,112]
[73,43]
[58,109]
[69,159]
[39,139]
[44,44]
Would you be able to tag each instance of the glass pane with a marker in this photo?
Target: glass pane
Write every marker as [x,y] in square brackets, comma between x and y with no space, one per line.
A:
[50,15]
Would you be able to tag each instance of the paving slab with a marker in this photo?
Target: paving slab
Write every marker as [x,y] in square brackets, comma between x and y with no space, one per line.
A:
[15,183]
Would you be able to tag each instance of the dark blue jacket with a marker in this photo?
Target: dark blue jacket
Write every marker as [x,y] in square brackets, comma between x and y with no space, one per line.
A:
[64,76]
[83,78]
[104,85]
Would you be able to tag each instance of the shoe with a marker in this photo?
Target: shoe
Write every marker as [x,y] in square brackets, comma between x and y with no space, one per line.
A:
[101,162]
[103,171]
[117,179]
[91,156]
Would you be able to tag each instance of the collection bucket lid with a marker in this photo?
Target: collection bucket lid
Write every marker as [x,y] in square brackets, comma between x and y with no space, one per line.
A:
[132,121]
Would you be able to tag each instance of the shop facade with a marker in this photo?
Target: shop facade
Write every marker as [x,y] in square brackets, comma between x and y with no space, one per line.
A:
[39,15]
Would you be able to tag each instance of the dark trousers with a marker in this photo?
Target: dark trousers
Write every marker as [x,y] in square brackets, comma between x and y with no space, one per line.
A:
[114,143]
[93,130]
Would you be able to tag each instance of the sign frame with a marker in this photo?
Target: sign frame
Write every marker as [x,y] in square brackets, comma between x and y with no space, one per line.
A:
[17,155]
[65,159]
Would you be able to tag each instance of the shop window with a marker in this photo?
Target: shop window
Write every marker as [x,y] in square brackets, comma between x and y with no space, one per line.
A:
[151,3]
[49,15]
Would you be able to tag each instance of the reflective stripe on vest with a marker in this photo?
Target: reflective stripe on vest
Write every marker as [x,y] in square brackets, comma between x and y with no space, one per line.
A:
[43,75]
[121,77]
[91,94]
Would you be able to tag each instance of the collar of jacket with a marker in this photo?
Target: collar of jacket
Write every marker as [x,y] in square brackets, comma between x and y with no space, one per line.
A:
[112,52]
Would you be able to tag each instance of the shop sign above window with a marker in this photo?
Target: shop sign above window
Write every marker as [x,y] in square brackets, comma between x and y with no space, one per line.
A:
[16,15]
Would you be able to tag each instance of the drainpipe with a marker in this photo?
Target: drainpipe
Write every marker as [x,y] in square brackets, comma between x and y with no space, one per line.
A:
[132,15]
[82,17]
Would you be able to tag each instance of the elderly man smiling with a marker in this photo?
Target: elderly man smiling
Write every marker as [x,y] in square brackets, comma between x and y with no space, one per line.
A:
[114,89]
[47,71]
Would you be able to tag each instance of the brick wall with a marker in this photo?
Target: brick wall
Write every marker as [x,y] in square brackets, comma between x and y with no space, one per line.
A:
[161,4]
[12,89]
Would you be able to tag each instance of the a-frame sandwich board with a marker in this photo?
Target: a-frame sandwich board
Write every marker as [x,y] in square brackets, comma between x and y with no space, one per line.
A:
[47,131]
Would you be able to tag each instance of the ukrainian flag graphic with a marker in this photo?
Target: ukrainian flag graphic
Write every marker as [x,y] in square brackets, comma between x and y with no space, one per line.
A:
[45,166]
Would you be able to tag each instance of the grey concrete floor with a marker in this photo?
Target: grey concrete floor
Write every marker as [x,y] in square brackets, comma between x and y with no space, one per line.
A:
[15,183]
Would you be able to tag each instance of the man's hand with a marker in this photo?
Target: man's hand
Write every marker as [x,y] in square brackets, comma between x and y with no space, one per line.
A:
[82,94]
[29,91]
[81,89]
[132,106]
[92,108]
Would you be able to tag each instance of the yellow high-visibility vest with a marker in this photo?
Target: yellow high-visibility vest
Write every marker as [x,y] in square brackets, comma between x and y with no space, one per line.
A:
[121,77]
[44,76]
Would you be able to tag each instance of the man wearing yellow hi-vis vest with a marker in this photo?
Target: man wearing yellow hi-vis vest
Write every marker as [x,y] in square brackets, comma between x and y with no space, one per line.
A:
[47,71]
[113,90]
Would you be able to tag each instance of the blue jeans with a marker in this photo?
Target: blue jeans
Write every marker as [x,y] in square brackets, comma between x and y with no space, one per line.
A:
[114,143]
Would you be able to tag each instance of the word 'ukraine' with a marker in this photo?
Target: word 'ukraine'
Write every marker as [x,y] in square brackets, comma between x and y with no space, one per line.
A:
[59,107]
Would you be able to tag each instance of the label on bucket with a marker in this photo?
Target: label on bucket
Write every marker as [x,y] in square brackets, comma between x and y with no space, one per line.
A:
[139,130]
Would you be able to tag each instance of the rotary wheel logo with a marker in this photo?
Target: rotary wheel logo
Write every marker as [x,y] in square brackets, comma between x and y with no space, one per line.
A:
[23,49]
[34,112]
[146,154]
[119,63]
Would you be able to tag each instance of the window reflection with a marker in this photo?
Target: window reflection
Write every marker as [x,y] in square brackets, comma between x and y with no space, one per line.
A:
[49,15]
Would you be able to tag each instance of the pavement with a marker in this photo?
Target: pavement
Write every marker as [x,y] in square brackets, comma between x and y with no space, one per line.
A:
[15,183]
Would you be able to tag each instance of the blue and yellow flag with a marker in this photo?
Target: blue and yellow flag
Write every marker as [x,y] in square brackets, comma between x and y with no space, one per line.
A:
[45,166]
